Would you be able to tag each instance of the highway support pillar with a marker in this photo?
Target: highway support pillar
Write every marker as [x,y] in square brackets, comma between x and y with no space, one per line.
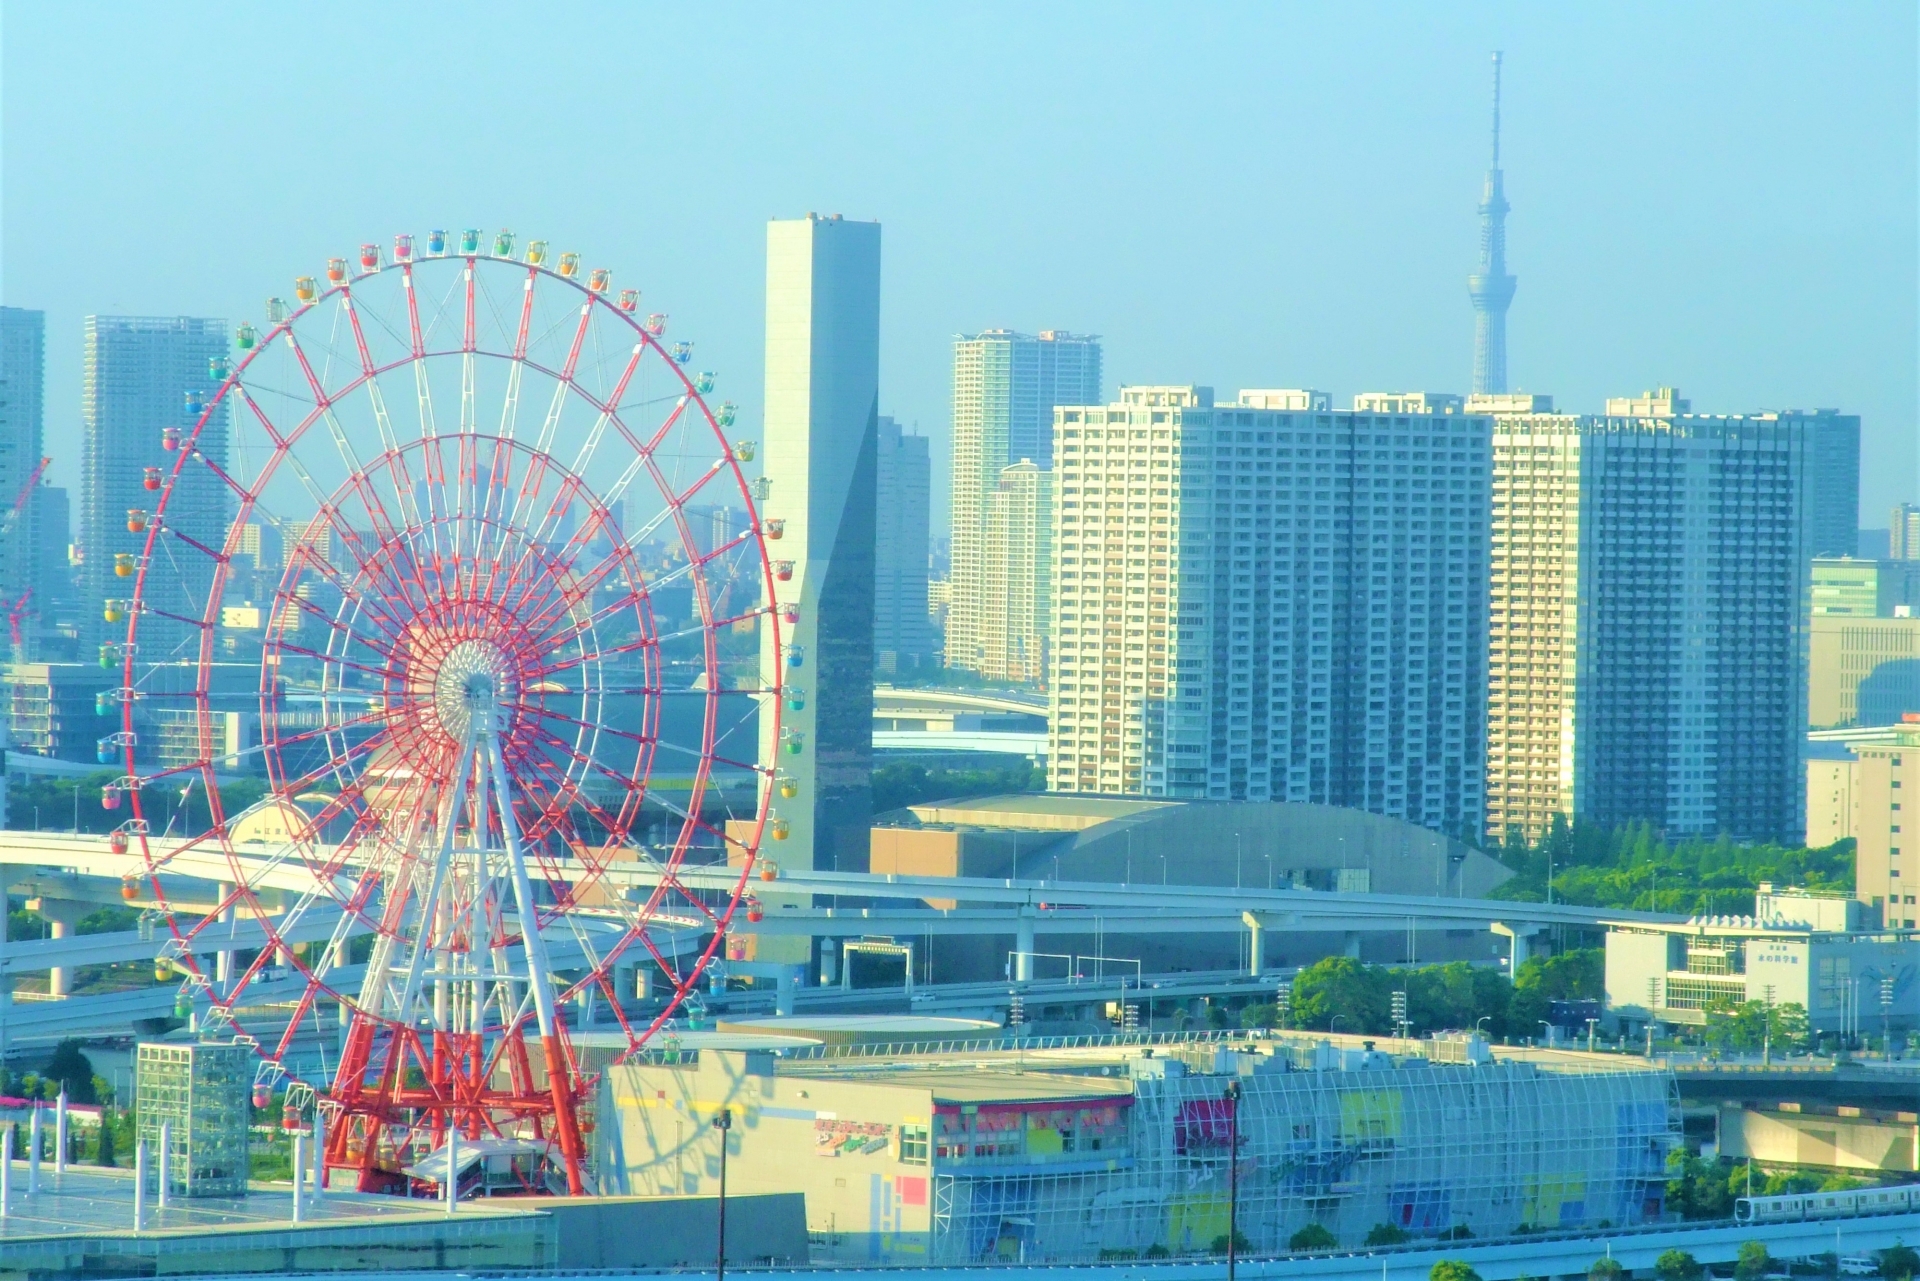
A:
[1023,946]
[63,915]
[1256,943]
[1517,957]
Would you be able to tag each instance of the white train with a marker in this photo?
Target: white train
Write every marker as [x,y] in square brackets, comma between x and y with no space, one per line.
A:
[1826,1205]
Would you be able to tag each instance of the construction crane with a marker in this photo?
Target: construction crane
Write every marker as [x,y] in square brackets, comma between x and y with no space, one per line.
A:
[12,514]
[18,607]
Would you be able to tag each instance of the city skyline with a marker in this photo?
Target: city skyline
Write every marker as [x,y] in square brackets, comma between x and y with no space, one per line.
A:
[1746,319]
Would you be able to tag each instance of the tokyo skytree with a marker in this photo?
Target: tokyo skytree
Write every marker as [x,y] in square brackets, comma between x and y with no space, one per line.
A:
[1491,288]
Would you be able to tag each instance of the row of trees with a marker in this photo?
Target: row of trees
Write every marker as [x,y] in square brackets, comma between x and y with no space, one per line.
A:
[1752,1264]
[1340,994]
[1634,867]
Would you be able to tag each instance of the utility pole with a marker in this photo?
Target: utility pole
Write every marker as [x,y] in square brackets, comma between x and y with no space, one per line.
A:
[723,1123]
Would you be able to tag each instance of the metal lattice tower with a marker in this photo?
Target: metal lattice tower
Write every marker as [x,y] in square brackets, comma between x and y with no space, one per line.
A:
[1491,288]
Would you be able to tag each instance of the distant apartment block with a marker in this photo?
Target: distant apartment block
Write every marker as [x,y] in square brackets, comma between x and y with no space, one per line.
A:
[1017,575]
[1005,388]
[1270,604]
[1649,619]
[136,374]
[902,637]
[1903,532]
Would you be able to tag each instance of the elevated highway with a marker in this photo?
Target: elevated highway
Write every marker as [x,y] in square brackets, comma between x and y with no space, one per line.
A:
[828,905]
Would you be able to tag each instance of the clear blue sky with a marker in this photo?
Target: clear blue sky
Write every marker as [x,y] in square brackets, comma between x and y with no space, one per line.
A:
[1721,196]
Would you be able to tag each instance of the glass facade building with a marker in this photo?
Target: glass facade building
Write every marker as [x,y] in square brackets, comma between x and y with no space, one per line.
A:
[822,412]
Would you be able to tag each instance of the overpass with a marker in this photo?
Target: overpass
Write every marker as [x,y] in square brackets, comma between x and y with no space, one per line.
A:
[82,870]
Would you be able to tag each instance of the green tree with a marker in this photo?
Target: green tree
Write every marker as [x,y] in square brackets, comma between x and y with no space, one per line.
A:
[1260,1016]
[1387,1234]
[71,1069]
[1576,975]
[1899,1263]
[1314,1236]
[1605,1268]
[1752,1263]
[1677,1265]
[1240,1243]
[1452,1270]
[1340,985]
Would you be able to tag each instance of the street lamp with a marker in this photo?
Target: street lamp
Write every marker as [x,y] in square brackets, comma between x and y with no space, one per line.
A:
[1233,1173]
[723,1123]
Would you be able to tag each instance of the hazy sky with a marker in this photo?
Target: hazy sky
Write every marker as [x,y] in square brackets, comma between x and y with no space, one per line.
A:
[1719,196]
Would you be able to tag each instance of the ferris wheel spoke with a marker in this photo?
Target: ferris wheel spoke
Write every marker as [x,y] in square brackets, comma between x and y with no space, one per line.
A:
[608,412]
[303,606]
[565,792]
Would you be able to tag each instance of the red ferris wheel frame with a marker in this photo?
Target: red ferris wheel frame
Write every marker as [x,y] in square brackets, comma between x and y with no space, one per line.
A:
[513,611]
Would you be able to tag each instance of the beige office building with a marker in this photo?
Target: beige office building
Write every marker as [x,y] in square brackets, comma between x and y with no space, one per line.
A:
[1832,812]
[1862,671]
[1886,869]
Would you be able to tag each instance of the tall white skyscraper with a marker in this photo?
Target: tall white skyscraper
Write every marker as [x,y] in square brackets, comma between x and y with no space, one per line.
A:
[823,380]
[902,634]
[1265,604]
[1005,388]
[1651,592]
[136,377]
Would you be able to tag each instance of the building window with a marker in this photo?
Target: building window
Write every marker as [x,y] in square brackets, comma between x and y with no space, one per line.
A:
[915,1143]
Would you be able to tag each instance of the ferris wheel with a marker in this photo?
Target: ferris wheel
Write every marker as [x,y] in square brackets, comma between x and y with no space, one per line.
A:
[504,666]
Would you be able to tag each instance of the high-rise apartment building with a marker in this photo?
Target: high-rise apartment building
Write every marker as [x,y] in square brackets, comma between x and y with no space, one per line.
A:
[23,343]
[822,411]
[1017,574]
[137,372]
[1491,288]
[1005,388]
[1833,482]
[903,478]
[1648,638]
[1268,604]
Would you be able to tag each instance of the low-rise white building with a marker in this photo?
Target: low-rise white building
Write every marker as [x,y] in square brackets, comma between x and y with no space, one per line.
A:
[1827,954]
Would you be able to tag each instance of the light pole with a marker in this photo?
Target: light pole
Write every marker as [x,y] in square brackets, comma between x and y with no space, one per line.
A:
[1233,1173]
[723,1123]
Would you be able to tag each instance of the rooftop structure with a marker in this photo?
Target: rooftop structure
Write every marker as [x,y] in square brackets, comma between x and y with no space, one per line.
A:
[1407,402]
[1114,1152]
